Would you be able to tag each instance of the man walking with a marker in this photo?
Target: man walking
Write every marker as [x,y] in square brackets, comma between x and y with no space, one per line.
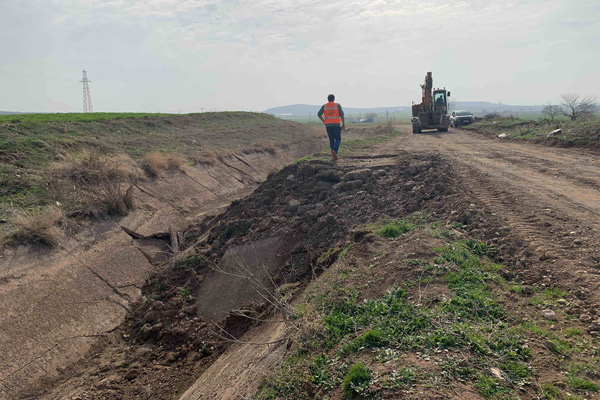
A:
[332,116]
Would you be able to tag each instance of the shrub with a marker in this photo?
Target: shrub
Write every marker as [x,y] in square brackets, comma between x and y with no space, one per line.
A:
[357,381]
[92,184]
[155,163]
[176,161]
[38,226]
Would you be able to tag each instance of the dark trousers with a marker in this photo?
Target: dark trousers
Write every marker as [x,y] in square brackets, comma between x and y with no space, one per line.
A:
[335,137]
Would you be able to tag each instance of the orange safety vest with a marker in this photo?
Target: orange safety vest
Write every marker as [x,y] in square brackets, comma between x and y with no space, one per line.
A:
[331,112]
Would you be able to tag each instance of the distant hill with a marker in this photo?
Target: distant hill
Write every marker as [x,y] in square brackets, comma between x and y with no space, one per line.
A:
[11,112]
[304,109]
[476,107]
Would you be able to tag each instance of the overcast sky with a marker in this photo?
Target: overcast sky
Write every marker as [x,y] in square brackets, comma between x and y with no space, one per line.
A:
[188,55]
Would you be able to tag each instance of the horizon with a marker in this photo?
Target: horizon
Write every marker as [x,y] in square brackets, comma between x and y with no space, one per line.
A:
[316,105]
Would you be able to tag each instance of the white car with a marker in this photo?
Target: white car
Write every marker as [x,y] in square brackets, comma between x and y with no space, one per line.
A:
[461,117]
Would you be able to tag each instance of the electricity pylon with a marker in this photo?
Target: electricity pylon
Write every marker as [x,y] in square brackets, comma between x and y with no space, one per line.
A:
[87,99]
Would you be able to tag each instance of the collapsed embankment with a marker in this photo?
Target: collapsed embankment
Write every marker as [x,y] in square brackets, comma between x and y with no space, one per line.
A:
[429,313]
[57,303]
[238,264]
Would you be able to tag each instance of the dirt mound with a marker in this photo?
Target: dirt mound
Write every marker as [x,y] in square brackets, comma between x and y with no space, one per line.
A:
[278,238]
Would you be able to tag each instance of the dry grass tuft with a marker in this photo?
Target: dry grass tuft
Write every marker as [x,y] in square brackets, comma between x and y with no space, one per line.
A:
[178,161]
[155,163]
[93,184]
[38,226]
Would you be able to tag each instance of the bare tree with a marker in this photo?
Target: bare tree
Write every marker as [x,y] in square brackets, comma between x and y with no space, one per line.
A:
[371,115]
[552,110]
[578,106]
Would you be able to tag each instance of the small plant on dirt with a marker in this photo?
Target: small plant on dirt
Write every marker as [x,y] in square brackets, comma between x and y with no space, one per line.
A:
[39,226]
[357,381]
[572,332]
[236,229]
[582,385]
[184,293]
[403,377]
[490,387]
[372,338]
[344,252]
[395,229]
[319,374]
[191,262]
[551,392]
[328,256]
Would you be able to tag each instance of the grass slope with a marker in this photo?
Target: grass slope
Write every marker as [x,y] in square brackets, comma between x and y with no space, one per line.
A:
[446,328]
[30,143]
[582,133]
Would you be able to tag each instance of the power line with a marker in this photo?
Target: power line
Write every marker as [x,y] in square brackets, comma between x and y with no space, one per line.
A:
[87,98]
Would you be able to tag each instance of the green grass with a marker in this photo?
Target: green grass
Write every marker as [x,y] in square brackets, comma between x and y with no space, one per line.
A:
[30,143]
[74,117]
[574,133]
[472,322]
[356,382]
[394,229]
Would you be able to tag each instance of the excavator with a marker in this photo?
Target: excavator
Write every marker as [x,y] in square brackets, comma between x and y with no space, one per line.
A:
[432,112]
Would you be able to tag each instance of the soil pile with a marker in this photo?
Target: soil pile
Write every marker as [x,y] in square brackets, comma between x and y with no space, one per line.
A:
[270,243]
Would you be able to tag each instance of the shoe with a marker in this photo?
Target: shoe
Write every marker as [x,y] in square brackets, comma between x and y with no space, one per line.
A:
[334,155]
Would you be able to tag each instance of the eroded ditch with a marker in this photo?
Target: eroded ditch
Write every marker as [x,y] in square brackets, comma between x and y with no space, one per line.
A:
[274,241]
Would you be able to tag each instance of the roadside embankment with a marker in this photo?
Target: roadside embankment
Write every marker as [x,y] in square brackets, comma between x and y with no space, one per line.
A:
[559,132]
[58,302]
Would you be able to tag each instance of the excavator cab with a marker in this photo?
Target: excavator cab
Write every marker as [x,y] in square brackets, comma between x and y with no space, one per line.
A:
[439,100]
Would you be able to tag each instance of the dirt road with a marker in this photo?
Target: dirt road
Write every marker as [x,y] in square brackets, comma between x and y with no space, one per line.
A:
[548,198]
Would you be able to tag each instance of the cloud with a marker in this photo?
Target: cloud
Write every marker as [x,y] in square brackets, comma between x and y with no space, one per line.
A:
[283,51]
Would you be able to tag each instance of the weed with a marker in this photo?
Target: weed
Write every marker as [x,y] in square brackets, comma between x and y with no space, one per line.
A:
[403,377]
[471,322]
[191,262]
[490,387]
[176,161]
[155,163]
[38,226]
[357,381]
[185,293]
[395,228]
[456,225]
[328,256]
[372,338]
[460,370]
[319,375]
[92,184]
[237,229]
[517,288]
[344,252]
[582,385]
[571,332]
[550,392]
